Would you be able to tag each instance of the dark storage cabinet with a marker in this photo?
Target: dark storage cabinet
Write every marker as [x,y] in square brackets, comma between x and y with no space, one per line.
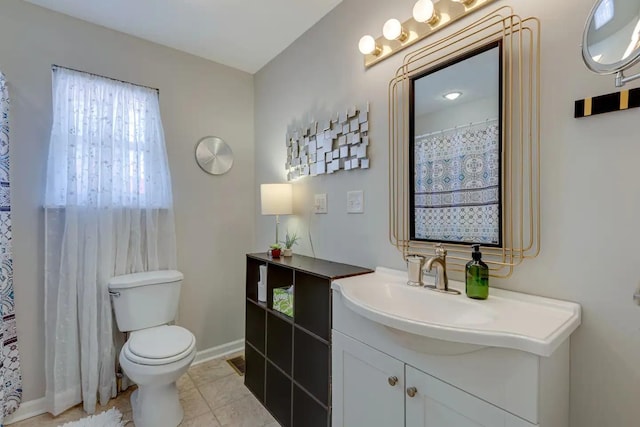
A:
[289,359]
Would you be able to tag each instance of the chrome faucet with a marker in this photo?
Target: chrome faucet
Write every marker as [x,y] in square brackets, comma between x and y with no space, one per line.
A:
[441,280]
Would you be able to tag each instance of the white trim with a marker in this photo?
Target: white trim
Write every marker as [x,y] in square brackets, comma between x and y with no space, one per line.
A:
[36,407]
[29,409]
[218,351]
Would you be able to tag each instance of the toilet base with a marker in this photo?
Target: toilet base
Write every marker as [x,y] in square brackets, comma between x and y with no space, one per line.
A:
[157,406]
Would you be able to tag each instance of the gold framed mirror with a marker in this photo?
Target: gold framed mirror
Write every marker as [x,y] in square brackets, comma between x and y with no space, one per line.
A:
[519,164]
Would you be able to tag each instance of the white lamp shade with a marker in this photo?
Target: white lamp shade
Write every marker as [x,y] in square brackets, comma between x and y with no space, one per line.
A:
[423,10]
[392,29]
[367,45]
[276,199]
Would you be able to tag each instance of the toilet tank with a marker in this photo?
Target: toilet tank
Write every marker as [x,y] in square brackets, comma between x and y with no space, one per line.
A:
[143,300]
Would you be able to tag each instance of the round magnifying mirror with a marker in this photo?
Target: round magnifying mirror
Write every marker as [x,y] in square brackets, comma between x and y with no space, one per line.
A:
[611,40]
[213,155]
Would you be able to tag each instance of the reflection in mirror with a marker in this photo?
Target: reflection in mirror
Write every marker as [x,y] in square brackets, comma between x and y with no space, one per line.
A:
[455,150]
[612,36]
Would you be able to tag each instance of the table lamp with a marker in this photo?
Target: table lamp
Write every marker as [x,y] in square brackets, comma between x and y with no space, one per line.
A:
[276,199]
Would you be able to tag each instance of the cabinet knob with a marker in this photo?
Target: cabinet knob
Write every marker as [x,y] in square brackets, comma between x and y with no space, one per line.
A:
[393,381]
[412,391]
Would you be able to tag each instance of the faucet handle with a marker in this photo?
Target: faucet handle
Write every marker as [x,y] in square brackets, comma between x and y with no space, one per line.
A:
[440,250]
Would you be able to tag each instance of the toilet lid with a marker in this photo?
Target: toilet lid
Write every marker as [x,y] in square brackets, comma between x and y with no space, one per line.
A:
[161,342]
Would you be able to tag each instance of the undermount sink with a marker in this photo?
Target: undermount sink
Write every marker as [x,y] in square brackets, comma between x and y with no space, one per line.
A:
[507,319]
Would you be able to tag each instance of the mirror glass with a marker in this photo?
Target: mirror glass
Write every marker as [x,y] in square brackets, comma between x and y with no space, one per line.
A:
[455,150]
[611,39]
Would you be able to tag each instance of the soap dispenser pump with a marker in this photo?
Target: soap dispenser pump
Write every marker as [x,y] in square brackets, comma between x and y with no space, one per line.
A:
[477,276]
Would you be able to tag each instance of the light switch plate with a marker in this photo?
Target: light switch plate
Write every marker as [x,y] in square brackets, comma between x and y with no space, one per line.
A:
[320,203]
[355,201]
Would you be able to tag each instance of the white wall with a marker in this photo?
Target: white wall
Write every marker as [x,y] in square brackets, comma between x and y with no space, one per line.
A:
[590,197]
[214,215]
[474,111]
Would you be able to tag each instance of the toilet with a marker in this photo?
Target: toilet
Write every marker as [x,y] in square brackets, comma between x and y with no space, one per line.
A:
[156,353]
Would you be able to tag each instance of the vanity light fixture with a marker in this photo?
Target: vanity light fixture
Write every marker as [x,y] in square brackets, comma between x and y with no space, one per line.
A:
[424,11]
[428,17]
[368,46]
[451,96]
[393,30]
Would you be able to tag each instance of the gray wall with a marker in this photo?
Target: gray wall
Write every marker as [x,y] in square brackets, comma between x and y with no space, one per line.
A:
[214,215]
[590,197]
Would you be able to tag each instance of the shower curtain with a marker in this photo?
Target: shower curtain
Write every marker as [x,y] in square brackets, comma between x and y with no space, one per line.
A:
[10,375]
[457,177]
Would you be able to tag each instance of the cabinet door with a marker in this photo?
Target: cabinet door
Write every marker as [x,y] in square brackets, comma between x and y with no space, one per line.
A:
[438,404]
[368,386]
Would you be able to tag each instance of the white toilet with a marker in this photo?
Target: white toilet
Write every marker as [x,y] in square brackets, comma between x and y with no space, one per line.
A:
[156,354]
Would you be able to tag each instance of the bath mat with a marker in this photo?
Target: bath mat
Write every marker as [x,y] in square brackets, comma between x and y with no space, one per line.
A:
[238,365]
[110,418]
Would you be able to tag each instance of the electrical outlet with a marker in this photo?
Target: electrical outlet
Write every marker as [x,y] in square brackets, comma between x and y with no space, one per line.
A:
[320,203]
[355,201]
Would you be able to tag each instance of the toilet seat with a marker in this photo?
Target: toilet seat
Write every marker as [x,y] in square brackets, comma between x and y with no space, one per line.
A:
[159,345]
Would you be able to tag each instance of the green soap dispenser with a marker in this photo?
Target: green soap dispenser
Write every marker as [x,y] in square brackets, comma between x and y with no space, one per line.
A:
[477,276]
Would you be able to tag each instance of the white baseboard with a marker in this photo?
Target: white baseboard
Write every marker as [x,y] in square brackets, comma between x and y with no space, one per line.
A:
[218,351]
[29,409]
[36,407]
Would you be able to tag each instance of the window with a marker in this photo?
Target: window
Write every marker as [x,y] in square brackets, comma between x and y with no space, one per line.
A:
[603,14]
[107,145]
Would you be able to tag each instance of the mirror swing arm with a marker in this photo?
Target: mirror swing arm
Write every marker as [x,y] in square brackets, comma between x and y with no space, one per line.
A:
[520,141]
[621,79]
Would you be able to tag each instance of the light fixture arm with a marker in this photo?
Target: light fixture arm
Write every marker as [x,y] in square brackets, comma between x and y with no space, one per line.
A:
[621,80]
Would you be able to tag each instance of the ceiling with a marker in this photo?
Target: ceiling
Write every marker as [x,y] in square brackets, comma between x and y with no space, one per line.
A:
[475,77]
[244,34]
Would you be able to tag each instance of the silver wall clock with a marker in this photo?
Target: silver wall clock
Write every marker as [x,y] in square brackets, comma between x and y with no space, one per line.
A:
[214,156]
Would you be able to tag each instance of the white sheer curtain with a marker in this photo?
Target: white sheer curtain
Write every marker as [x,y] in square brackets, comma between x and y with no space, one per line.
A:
[108,211]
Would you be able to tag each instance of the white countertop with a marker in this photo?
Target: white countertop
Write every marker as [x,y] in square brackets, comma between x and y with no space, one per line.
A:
[506,319]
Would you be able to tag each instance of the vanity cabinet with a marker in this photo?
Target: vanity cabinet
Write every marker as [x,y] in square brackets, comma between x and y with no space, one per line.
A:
[434,403]
[368,385]
[374,389]
[288,359]
[385,377]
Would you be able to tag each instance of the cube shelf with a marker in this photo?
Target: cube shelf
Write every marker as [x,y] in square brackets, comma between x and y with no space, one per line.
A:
[289,358]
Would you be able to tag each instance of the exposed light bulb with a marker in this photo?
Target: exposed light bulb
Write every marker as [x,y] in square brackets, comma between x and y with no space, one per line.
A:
[368,46]
[393,30]
[424,11]
[452,95]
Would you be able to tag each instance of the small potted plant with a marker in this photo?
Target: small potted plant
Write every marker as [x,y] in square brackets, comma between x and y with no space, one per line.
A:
[290,240]
[275,250]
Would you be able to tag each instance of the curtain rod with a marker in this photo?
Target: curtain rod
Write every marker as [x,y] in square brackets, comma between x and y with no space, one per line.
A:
[54,67]
[455,128]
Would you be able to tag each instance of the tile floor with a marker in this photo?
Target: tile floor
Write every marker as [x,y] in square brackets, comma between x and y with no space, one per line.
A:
[212,395]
